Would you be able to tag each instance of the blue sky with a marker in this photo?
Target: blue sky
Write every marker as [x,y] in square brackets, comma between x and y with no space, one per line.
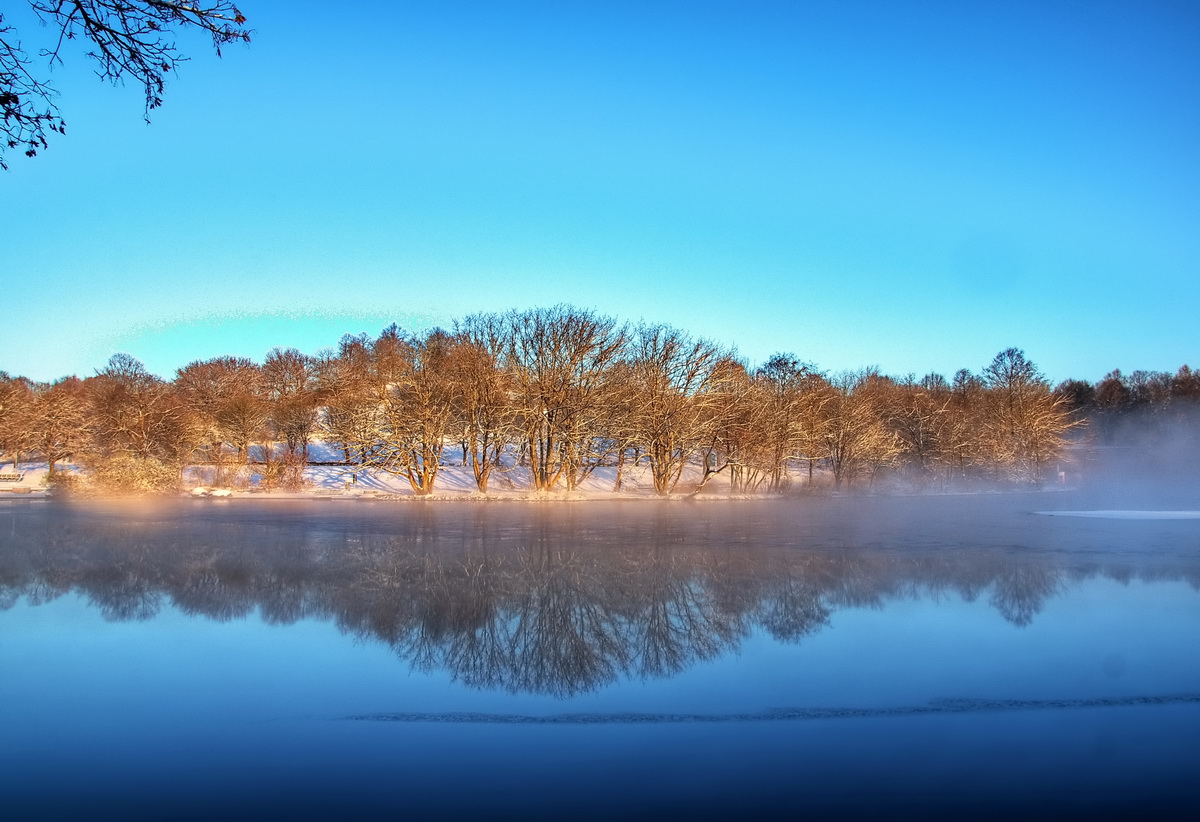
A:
[914,186]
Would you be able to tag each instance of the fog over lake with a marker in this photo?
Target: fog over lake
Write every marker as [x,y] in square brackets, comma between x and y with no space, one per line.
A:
[207,659]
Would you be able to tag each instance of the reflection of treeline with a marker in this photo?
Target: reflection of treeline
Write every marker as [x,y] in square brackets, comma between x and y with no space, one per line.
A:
[560,392]
[528,604]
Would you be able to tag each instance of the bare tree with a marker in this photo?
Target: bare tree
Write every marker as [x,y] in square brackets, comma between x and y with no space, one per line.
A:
[1026,422]
[482,390]
[391,404]
[857,438]
[963,450]
[141,432]
[734,423]
[1151,389]
[674,381]
[345,381]
[559,359]
[290,385]
[742,440]
[415,409]
[227,396]
[59,421]
[1112,392]
[1079,395]
[16,410]
[792,397]
[127,40]
[621,404]
[918,412]
[1186,384]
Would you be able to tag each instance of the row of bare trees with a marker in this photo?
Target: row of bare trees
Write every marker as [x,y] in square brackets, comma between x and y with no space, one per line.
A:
[557,391]
[132,429]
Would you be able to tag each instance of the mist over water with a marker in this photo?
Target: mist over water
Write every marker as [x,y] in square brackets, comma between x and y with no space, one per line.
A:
[849,656]
[1143,459]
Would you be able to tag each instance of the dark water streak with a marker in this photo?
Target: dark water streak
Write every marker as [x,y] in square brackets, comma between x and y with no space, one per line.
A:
[941,706]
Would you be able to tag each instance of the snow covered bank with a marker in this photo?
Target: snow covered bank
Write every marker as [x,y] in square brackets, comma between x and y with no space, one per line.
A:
[454,482]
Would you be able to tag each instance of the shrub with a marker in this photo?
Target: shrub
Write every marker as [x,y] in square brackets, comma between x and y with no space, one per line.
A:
[64,483]
[133,476]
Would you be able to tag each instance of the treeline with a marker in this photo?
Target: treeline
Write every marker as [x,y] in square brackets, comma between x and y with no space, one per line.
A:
[1149,400]
[562,391]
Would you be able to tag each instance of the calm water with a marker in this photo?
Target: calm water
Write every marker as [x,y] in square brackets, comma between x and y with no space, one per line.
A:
[847,658]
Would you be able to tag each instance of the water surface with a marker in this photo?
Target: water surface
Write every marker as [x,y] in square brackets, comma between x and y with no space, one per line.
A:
[203,659]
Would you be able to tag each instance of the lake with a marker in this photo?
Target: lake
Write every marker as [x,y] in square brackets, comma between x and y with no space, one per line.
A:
[844,658]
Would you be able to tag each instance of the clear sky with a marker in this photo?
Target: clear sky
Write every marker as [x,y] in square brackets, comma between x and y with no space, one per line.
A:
[909,185]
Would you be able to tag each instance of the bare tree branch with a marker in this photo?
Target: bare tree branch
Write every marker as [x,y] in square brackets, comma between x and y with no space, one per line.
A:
[129,39]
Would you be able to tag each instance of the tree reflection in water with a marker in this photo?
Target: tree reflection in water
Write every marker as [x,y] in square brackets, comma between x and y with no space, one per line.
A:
[523,598]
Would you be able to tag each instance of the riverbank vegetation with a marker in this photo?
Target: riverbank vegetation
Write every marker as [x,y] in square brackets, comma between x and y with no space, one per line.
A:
[562,392]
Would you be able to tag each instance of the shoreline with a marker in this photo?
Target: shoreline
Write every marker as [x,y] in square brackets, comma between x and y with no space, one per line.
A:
[40,494]
[456,484]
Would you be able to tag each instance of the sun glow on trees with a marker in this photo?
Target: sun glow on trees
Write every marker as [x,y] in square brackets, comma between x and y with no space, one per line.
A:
[560,392]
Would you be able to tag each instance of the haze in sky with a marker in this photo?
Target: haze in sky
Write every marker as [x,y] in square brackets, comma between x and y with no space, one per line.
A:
[915,186]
